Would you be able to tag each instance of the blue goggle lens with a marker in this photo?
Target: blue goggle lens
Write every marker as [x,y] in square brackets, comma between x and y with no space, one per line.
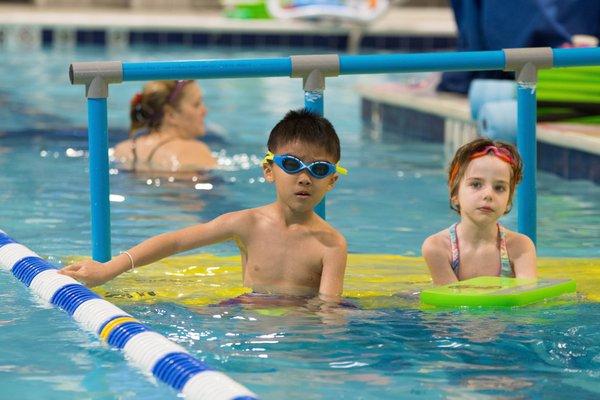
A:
[290,164]
[320,169]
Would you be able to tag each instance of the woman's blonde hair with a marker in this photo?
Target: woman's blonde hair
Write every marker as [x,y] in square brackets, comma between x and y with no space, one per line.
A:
[148,106]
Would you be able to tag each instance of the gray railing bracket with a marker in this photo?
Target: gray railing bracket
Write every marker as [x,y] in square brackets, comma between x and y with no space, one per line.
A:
[313,69]
[96,76]
[526,62]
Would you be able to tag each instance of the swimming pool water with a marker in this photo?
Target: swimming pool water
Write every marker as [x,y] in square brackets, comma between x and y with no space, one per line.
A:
[393,197]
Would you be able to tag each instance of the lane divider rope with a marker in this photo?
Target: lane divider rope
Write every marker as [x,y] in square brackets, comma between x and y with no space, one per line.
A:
[149,350]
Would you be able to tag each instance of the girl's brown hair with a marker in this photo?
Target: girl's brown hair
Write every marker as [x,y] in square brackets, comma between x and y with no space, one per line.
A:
[148,106]
[461,160]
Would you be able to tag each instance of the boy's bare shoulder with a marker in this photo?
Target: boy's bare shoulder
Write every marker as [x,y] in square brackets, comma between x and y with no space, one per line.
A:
[328,235]
[335,237]
[246,216]
[257,214]
[249,219]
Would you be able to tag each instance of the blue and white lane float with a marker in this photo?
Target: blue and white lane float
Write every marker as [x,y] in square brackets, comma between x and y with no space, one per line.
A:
[148,350]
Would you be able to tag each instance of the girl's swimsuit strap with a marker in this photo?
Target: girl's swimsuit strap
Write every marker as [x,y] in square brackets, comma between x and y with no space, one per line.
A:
[455,252]
[506,268]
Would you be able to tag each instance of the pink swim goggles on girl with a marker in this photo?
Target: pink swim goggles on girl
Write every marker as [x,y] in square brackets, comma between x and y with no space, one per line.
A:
[500,152]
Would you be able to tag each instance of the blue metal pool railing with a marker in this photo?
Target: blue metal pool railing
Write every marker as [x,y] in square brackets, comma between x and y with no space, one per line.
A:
[313,69]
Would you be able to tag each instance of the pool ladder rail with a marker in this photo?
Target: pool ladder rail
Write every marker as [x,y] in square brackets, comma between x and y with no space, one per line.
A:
[150,351]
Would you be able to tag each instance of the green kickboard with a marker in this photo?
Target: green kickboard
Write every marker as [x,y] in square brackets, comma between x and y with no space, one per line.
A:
[493,291]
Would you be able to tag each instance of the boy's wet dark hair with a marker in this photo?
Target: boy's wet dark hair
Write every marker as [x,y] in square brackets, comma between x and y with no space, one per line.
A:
[305,127]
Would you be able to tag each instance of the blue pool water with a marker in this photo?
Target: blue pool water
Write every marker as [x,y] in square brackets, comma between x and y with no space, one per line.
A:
[393,197]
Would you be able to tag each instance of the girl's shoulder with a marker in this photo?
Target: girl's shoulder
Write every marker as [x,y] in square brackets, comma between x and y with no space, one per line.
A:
[514,236]
[438,243]
[517,242]
[443,235]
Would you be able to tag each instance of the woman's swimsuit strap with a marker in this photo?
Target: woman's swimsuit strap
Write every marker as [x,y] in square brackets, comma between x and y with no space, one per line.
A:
[158,145]
[152,152]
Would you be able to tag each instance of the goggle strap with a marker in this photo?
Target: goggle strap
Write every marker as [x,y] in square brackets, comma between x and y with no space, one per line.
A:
[268,157]
[341,170]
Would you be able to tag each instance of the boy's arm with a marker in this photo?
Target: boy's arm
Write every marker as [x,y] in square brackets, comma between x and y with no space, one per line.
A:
[522,252]
[334,267]
[437,260]
[94,273]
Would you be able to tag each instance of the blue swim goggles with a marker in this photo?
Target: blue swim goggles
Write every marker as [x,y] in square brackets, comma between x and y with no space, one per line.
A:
[293,165]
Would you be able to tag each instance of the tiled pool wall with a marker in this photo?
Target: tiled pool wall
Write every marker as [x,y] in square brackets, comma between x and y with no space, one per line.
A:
[119,37]
[568,163]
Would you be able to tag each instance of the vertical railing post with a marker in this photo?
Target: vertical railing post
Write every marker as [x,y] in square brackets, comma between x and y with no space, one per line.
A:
[313,69]
[526,143]
[99,183]
[526,62]
[96,76]
[313,102]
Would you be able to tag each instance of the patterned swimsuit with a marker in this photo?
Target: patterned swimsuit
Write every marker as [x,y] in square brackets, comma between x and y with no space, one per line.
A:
[506,269]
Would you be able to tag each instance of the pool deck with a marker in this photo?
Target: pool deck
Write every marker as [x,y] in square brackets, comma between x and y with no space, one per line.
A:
[569,150]
[425,22]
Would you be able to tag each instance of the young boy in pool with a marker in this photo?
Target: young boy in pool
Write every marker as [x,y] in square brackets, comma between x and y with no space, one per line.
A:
[482,180]
[286,247]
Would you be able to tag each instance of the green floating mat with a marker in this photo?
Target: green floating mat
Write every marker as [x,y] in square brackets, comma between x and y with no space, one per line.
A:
[493,291]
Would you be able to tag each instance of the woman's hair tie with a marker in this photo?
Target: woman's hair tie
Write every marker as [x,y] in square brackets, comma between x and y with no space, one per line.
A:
[137,99]
[141,112]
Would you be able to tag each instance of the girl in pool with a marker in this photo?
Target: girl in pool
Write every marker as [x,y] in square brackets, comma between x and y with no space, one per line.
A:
[167,119]
[481,180]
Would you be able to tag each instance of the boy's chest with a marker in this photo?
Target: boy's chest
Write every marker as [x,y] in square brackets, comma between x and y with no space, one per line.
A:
[294,258]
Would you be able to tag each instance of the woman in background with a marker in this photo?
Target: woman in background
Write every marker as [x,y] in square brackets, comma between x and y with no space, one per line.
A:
[167,120]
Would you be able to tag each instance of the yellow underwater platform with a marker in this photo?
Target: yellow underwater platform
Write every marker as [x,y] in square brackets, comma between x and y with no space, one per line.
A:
[372,280]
